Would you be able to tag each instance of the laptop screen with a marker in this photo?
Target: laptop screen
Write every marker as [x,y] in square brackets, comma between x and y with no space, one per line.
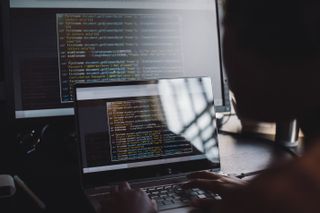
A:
[139,124]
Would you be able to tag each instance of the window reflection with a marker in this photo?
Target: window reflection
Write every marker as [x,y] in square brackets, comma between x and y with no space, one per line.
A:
[189,104]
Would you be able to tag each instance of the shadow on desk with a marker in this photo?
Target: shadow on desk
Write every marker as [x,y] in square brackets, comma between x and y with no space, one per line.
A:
[51,173]
[54,176]
[246,153]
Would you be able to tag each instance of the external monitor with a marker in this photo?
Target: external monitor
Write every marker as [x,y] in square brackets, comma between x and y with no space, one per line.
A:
[56,44]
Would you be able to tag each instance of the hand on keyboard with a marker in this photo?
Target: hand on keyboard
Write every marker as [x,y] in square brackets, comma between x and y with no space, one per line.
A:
[124,200]
[214,183]
[167,196]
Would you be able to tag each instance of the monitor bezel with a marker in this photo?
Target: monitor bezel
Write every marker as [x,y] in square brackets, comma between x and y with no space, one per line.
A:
[10,90]
[8,77]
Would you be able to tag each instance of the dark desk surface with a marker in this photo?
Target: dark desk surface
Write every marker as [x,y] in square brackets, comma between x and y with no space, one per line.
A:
[243,154]
[60,190]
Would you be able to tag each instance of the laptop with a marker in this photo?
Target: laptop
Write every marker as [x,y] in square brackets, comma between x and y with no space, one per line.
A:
[151,133]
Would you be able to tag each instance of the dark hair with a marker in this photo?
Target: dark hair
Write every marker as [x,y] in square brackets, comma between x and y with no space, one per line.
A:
[283,29]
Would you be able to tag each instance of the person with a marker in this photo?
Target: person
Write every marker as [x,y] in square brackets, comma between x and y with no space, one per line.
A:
[271,55]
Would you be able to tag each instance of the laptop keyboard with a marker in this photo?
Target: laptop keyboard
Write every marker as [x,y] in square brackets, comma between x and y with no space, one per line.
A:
[173,196]
[168,196]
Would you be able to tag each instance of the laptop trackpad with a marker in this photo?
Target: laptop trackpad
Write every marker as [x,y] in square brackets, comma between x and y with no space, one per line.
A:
[183,210]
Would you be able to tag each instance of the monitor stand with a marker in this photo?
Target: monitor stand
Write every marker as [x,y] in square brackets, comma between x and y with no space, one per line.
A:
[287,133]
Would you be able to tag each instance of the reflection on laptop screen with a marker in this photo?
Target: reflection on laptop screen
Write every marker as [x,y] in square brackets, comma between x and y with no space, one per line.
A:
[138,124]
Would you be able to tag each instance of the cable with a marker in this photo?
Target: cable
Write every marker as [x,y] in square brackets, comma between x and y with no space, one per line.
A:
[227,119]
[225,132]
[43,132]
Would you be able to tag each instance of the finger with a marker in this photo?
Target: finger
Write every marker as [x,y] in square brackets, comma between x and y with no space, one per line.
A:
[154,203]
[204,175]
[205,203]
[96,205]
[211,185]
[124,186]
[140,192]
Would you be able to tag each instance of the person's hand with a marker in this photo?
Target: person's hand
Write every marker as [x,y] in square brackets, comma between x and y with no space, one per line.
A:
[290,187]
[220,184]
[127,200]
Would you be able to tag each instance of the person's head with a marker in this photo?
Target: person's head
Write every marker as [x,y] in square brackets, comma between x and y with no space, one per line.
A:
[272,57]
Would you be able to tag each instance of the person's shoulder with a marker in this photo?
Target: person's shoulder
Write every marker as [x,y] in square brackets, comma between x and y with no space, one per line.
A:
[310,161]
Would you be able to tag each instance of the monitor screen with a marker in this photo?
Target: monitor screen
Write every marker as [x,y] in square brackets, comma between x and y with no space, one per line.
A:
[134,124]
[56,44]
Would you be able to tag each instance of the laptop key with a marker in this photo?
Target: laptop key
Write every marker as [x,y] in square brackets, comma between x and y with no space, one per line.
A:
[184,200]
[202,196]
[171,206]
[217,197]
[160,200]
[200,192]
[167,202]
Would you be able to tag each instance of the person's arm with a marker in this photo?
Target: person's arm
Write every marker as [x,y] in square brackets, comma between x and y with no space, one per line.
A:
[293,187]
[220,184]
[127,200]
